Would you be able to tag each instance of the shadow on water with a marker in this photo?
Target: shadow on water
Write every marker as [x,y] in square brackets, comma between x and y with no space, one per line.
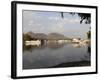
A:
[87,56]
[89,49]
[73,64]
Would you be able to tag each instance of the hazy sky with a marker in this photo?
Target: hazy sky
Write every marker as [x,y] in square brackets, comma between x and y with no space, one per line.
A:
[49,22]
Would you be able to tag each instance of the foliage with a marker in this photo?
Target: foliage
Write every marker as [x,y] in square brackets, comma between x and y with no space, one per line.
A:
[85,17]
[26,37]
[89,34]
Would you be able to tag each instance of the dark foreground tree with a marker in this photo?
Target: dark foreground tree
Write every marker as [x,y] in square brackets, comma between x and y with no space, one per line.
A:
[89,34]
[85,17]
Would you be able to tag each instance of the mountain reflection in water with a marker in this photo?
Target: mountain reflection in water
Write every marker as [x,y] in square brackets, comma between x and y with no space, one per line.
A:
[53,55]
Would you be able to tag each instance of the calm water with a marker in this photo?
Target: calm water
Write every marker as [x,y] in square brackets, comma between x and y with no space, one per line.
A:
[56,55]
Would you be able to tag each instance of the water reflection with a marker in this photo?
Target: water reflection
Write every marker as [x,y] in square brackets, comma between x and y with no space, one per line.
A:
[53,54]
[52,45]
[89,49]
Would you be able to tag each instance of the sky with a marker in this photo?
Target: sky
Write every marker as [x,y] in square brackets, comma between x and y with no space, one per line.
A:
[52,22]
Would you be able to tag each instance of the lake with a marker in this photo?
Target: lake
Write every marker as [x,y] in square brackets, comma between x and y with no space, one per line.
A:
[54,55]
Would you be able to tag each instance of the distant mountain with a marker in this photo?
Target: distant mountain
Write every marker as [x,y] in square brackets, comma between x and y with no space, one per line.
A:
[54,36]
[40,36]
[31,34]
[37,35]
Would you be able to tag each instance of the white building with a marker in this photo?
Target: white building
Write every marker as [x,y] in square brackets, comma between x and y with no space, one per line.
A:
[76,40]
[33,42]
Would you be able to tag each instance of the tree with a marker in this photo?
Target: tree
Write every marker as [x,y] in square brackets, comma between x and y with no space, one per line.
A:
[26,37]
[86,17]
[89,34]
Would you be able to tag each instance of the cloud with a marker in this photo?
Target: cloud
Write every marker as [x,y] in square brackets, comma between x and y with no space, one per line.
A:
[42,23]
[31,22]
[54,18]
[51,24]
[65,20]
